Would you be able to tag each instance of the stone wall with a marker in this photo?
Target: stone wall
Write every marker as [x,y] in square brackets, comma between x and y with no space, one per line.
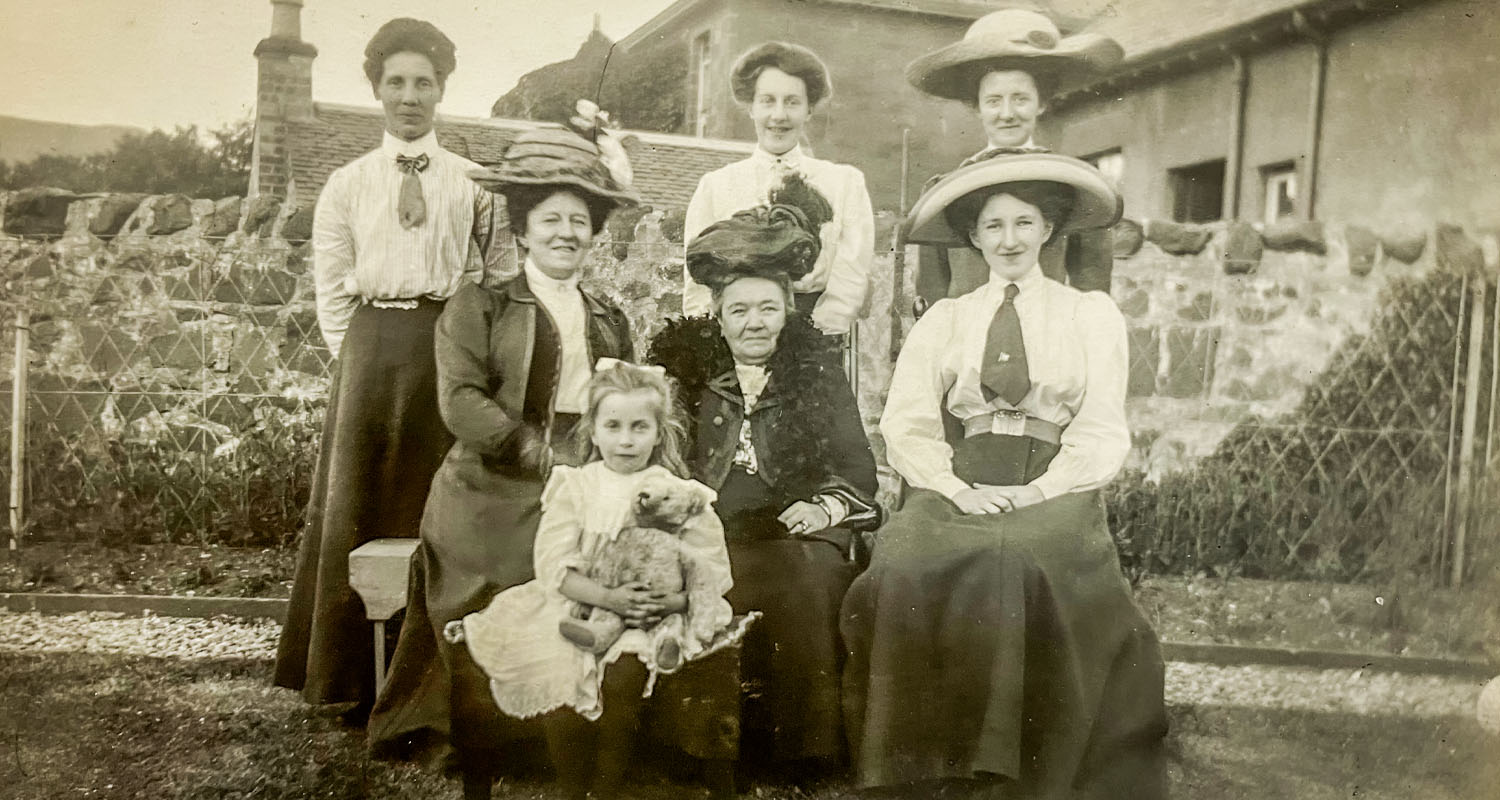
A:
[1231,321]
[192,321]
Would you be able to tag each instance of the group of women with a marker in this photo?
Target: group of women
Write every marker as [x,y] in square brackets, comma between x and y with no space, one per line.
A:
[987,644]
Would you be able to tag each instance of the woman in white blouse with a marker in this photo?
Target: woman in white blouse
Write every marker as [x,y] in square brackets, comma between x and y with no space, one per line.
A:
[780,85]
[994,639]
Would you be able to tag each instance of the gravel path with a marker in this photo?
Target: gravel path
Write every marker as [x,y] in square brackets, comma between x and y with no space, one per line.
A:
[1300,688]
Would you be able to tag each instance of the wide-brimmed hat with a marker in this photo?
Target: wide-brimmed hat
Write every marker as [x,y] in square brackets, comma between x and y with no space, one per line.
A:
[1012,38]
[767,241]
[1096,204]
[555,157]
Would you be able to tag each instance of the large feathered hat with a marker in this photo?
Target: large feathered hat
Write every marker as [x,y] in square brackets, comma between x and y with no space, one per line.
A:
[1019,38]
[555,156]
[778,238]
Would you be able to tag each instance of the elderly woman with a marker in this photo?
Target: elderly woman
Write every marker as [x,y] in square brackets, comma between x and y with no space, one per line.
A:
[781,85]
[1006,66]
[512,364]
[994,642]
[776,431]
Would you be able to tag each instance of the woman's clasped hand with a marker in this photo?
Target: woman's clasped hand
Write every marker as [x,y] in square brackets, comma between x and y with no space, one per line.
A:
[986,499]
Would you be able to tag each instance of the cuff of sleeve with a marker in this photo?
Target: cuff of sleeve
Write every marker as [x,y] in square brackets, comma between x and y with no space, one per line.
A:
[830,319]
[1049,486]
[834,506]
[949,486]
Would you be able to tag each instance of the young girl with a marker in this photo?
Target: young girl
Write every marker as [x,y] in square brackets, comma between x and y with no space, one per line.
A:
[627,435]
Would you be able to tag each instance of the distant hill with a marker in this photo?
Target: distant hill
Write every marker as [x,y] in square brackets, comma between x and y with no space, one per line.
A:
[24,139]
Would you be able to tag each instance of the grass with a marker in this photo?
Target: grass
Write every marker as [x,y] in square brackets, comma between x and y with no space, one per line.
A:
[83,725]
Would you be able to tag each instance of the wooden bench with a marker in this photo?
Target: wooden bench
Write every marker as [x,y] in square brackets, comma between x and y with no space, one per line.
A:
[378,574]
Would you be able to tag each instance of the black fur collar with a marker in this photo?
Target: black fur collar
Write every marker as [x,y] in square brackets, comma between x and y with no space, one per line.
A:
[694,353]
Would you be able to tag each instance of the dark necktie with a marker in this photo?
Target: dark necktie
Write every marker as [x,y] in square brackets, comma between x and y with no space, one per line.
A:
[1005,374]
[411,209]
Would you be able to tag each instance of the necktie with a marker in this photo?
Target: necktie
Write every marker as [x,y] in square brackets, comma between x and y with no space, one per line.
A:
[411,209]
[1005,374]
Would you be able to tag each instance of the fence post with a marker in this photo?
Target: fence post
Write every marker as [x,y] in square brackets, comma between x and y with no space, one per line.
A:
[898,262]
[18,427]
[1469,430]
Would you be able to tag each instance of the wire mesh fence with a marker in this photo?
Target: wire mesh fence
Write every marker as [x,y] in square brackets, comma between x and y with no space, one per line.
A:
[177,386]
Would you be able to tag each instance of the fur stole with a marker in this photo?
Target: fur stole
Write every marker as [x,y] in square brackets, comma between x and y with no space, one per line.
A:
[805,374]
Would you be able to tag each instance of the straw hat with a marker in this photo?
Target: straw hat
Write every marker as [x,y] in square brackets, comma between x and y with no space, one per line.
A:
[1011,38]
[555,157]
[1096,204]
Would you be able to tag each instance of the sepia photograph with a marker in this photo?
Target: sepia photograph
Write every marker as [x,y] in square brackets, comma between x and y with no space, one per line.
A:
[781,399]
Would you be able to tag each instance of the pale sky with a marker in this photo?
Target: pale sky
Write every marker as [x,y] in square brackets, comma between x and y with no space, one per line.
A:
[162,63]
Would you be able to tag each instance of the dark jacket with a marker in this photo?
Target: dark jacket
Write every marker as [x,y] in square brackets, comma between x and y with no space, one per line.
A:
[806,427]
[498,360]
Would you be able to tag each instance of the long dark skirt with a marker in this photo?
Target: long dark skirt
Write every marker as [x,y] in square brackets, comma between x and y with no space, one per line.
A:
[477,537]
[382,442]
[1003,647]
[792,658]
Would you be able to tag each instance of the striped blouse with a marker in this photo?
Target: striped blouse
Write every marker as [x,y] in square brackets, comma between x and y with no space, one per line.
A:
[360,250]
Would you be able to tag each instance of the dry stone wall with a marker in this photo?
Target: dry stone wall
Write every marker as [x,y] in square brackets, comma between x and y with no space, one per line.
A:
[191,322]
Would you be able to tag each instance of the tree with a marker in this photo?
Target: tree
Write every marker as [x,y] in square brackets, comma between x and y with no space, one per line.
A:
[158,162]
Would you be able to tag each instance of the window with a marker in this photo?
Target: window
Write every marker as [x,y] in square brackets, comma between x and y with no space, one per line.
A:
[701,57]
[1280,182]
[1198,192]
[1111,163]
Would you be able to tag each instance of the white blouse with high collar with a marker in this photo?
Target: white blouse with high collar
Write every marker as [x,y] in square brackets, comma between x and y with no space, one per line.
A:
[1077,354]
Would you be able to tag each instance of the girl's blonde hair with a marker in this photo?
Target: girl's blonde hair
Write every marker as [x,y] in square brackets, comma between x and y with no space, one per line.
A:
[622,378]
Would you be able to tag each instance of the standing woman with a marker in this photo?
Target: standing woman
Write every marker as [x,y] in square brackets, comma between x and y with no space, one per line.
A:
[781,85]
[395,234]
[994,642]
[775,431]
[1005,68]
[512,366]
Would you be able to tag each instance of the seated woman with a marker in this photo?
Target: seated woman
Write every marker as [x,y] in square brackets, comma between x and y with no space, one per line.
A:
[994,640]
[775,430]
[512,365]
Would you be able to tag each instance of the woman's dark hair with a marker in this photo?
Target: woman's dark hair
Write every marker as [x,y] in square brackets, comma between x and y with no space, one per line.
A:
[521,199]
[1054,200]
[794,60]
[407,35]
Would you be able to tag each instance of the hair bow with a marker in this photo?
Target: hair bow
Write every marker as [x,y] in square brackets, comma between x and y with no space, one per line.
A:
[614,363]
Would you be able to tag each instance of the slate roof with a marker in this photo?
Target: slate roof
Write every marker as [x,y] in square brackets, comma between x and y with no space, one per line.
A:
[1146,27]
[667,167]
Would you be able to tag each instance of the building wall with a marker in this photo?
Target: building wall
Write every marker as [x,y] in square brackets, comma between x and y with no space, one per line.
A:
[1173,123]
[1277,103]
[1410,101]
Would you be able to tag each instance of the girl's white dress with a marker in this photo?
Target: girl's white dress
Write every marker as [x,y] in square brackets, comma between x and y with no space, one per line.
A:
[515,640]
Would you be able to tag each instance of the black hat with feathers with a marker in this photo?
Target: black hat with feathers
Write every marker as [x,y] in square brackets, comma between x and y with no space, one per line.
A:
[767,241]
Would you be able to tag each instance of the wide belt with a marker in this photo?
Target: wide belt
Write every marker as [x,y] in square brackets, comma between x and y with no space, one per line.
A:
[403,303]
[1008,422]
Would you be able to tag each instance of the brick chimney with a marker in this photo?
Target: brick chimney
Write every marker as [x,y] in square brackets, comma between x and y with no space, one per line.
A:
[283,94]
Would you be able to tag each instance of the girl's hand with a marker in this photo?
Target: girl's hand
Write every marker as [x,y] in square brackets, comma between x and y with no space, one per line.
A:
[633,601]
[802,518]
[987,499]
[671,603]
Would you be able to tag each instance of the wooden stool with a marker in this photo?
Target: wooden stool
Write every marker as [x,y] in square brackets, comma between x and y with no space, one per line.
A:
[378,574]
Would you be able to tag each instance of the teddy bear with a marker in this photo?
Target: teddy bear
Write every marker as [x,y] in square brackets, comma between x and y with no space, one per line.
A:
[648,550]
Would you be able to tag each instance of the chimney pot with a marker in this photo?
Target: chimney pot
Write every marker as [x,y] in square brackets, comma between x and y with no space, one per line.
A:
[286,19]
